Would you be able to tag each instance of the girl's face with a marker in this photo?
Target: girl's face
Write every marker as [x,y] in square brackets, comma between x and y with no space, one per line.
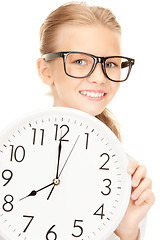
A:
[69,92]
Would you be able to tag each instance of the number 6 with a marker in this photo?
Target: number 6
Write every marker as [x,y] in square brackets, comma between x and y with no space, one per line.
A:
[49,231]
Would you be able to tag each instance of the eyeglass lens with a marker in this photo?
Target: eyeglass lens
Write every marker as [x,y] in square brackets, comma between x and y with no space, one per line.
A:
[80,65]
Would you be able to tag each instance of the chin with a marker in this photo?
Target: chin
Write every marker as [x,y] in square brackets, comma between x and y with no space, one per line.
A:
[93,112]
[90,110]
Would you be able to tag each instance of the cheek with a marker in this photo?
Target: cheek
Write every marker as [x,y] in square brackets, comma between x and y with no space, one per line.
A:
[56,68]
[65,85]
[115,87]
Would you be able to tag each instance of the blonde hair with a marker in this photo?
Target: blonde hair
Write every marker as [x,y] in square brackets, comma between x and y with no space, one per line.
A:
[80,14]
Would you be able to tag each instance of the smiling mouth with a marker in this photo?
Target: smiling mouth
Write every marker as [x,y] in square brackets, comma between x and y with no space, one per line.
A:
[93,94]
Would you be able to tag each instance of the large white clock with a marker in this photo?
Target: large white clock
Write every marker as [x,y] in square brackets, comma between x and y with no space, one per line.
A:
[63,176]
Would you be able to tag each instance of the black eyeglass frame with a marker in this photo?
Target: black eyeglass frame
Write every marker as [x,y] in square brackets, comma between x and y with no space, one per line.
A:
[130,62]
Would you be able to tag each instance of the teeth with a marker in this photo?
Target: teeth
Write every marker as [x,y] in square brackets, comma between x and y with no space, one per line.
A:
[92,94]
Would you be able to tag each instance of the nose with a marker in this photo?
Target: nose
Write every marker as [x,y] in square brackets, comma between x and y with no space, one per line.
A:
[97,75]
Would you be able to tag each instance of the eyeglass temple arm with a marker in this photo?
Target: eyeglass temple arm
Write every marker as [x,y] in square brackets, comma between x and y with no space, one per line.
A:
[50,56]
[127,64]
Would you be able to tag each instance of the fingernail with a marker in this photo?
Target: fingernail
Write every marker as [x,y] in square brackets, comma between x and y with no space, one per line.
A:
[134,183]
[134,196]
[130,170]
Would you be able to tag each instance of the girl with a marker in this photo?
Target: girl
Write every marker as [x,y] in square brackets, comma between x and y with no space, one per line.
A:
[82,63]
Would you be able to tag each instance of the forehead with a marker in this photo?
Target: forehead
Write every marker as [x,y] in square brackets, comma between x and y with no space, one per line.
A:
[95,39]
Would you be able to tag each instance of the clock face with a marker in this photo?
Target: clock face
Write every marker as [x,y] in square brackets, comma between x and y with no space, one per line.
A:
[63,175]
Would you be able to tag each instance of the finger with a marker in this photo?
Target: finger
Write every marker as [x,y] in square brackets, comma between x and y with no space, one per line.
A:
[145,184]
[146,197]
[132,166]
[139,175]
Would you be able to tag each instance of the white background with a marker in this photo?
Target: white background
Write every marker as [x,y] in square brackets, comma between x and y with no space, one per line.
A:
[137,103]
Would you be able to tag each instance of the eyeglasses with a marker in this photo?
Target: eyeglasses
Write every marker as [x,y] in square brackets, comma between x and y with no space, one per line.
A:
[81,65]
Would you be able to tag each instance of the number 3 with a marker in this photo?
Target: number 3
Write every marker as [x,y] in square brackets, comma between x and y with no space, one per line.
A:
[107,186]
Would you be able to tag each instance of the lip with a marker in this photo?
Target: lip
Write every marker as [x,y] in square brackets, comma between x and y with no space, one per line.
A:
[93,98]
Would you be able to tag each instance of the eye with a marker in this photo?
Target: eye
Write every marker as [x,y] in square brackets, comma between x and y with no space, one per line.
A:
[111,65]
[81,62]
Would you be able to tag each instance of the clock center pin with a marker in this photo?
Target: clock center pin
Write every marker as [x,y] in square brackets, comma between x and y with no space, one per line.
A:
[56,181]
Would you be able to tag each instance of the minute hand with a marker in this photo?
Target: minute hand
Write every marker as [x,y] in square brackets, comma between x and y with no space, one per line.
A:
[59,154]
[63,167]
[68,156]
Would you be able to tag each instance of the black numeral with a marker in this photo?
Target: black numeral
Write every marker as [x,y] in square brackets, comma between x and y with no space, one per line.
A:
[107,157]
[100,211]
[66,130]
[51,232]
[79,228]
[28,223]
[107,186]
[34,135]
[7,175]
[8,206]
[18,153]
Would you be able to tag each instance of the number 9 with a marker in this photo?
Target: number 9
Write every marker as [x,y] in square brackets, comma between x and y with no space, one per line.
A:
[7,175]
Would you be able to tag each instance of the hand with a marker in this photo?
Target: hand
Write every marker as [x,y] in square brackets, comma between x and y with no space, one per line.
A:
[34,192]
[63,166]
[55,181]
[68,156]
[142,199]
[57,176]
[59,154]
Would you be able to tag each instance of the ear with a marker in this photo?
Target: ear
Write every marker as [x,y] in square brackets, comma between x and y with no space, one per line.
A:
[44,72]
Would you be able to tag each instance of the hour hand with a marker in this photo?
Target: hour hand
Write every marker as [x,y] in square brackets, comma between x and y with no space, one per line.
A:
[34,192]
